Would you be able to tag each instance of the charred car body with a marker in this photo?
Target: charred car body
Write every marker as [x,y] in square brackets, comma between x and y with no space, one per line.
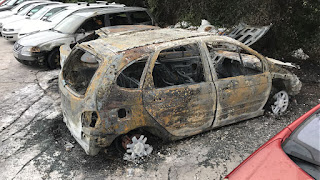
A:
[43,47]
[172,83]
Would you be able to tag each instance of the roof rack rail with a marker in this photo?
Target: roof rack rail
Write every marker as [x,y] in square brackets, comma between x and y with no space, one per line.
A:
[83,3]
[116,4]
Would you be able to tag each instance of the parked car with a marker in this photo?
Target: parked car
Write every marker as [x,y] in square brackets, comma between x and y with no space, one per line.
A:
[30,10]
[172,83]
[10,30]
[51,22]
[3,1]
[9,4]
[43,47]
[294,153]
[16,9]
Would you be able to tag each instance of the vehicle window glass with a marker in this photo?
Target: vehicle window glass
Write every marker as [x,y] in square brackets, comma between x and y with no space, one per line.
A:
[59,16]
[139,17]
[10,3]
[131,75]
[26,10]
[231,61]
[35,9]
[118,19]
[52,12]
[303,145]
[93,23]
[39,13]
[179,65]
[20,8]
[64,25]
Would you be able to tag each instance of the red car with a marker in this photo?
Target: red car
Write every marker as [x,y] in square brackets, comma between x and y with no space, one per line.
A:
[294,153]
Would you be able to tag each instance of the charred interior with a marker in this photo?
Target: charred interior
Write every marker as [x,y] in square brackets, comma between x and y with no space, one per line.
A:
[180,65]
[130,76]
[79,70]
[231,61]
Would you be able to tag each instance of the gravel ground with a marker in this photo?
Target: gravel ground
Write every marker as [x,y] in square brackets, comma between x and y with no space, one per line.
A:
[33,135]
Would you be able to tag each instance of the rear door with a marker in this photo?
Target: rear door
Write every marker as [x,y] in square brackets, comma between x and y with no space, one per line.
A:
[178,90]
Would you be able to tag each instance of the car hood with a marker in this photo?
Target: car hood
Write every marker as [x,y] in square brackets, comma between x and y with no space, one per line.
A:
[40,38]
[35,26]
[17,24]
[11,19]
[5,14]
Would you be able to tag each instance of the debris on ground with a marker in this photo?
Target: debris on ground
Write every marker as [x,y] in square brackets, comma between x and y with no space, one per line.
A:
[68,146]
[299,54]
[207,27]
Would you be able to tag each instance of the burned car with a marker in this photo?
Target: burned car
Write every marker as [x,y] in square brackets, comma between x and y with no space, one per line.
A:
[171,83]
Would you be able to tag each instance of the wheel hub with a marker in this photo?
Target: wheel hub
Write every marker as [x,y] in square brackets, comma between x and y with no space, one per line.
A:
[281,103]
[137,148]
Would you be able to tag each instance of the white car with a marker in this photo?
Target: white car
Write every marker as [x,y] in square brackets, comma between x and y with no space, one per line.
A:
[10,30]
[52,21]
[16,9]
[30,10]
[42,48]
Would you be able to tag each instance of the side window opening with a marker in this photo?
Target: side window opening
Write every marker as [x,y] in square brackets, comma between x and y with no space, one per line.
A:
[94,23]
[140,17]
[118,19]
[130,76]
[179,65]
[232,61]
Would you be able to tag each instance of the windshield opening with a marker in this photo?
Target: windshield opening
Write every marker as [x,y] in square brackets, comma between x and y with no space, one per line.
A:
[303,145]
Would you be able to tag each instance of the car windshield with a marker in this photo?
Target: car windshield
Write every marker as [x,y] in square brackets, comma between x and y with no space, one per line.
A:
[10,3]
[40,13]
[20,7]
[65,27]
[59,16]
[303,145]
[25,10]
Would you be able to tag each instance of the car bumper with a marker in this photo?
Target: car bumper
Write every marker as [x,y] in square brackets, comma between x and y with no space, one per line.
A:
[32,59]
[10,36]
[90,139]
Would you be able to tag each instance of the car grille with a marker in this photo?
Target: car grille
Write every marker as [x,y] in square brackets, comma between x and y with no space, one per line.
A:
[17,47]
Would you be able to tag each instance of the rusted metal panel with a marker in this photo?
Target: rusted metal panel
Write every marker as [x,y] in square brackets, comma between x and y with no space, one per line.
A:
[178,110]
[119,30]
[183,110]
[241,95]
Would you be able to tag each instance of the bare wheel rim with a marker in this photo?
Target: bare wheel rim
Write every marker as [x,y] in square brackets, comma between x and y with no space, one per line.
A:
[137,147]
[281,103]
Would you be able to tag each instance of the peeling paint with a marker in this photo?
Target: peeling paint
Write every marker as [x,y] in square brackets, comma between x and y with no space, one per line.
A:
[176,110]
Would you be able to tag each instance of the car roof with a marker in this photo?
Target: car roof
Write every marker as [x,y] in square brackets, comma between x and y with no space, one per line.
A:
[93,12]
[127,41]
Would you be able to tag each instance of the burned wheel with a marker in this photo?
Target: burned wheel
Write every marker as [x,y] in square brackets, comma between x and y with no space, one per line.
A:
[54,59]
[281,102]
[136,146]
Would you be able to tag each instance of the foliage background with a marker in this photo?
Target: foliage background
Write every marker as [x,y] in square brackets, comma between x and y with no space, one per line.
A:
[296,23]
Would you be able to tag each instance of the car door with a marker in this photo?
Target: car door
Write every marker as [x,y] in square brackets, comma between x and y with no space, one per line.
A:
[178,91]
[242,80]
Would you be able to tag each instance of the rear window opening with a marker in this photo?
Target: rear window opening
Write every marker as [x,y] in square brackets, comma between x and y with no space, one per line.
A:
[79,70]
